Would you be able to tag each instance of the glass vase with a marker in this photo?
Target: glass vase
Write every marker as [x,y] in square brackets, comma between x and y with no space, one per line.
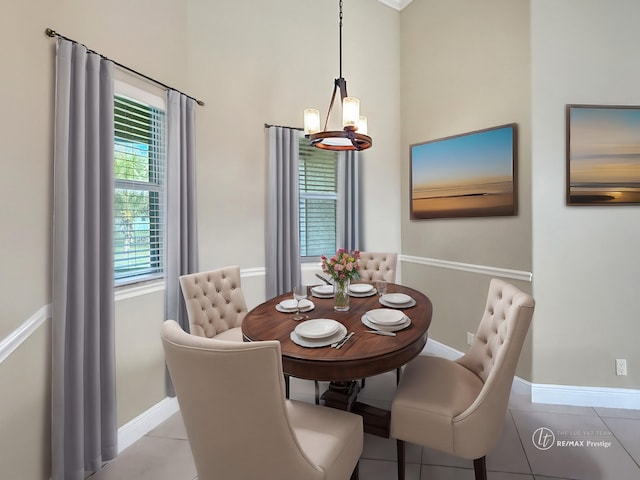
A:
[341,295]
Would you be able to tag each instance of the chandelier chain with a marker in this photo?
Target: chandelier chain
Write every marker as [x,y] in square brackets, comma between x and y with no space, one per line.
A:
[340,38]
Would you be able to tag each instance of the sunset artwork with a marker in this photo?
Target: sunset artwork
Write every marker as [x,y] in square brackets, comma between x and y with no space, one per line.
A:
[468,175]
[603,155]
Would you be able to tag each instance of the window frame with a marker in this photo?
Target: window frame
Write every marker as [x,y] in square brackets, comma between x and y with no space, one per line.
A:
[336,196]
[128,91]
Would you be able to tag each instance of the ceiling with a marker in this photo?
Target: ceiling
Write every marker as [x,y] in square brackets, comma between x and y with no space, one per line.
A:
[397,4]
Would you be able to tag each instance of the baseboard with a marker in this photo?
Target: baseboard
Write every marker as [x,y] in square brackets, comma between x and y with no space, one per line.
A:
[557,394]
[585,396]
[433,347]
[137,428]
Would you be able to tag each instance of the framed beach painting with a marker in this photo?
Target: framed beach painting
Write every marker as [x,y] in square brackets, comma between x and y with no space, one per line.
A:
[467,175]
[603,155]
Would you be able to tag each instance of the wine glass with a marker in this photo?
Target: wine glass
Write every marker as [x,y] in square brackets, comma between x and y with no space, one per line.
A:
[299,293]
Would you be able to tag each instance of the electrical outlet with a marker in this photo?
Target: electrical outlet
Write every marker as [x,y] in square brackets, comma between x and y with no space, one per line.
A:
[621,366]
[470,337]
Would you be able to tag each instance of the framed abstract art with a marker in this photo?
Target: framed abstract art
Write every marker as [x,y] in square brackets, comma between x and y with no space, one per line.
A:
[602,155]
[467,175]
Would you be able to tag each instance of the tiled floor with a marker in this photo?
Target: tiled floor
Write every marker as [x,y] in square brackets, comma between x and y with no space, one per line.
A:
[164,453]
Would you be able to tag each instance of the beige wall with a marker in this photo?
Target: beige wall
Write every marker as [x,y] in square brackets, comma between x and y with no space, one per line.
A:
[26,144]
[465,66]
[260,62]
[586,259]
[25,395]
[251,62]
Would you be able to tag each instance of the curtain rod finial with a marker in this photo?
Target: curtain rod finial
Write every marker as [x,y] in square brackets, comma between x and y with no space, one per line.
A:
[200,102]
[49,32]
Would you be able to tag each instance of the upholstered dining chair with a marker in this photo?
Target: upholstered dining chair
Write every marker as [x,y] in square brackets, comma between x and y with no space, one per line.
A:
[458,407]
[377,266]
[215,303]
[238,422]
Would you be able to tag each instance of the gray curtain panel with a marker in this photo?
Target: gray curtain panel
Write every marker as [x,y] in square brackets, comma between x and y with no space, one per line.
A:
[83,415]
[350,204]
[282,216]
[182,228]
[181,256]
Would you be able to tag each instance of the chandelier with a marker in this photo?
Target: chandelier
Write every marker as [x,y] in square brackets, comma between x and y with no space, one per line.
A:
[354,134]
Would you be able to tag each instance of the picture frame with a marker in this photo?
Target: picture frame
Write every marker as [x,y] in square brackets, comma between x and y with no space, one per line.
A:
[467,175]
[602,155]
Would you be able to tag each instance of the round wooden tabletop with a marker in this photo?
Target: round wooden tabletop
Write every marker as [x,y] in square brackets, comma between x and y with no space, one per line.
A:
[364,355]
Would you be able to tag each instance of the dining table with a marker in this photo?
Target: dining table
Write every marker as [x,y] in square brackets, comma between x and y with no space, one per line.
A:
[363,355]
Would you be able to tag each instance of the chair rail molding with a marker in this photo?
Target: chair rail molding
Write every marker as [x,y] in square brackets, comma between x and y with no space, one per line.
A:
[253,272]
[469,267]
[20,334]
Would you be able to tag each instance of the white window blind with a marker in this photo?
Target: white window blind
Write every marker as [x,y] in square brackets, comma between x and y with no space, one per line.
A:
[139,197]
[317,172]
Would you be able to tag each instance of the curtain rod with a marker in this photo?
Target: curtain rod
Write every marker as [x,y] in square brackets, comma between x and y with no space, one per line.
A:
[49,32]
[267,125]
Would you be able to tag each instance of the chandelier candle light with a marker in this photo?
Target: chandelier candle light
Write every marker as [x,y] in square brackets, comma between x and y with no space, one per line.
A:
[354,134]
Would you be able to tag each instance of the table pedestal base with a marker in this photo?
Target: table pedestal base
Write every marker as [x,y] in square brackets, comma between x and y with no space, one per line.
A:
[343,395]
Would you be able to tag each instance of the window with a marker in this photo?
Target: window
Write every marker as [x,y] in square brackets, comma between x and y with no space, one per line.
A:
[317,172]
[139,173]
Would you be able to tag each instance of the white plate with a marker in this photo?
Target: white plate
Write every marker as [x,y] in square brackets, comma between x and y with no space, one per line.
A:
[322,296]
[322,290]
[305,306]
[317,328]
[386,328]
[394,305]
[362,295]
[360,288]
[386,316]
[321,342]
[396,298]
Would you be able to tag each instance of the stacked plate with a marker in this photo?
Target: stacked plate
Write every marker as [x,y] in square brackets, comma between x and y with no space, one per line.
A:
[322,291]
[319,332]
[386,319]
[361,290]
[397,300]
[291,306]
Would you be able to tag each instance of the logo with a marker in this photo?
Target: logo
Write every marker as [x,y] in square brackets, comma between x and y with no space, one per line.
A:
[543,438]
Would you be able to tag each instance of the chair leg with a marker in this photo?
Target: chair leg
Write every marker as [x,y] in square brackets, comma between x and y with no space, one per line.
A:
[398,372]
[356,472]
[480,467]
[362,383]
[286,386]
[400,454]
[317,385]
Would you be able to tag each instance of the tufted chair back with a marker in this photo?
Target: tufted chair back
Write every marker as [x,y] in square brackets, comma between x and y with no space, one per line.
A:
[377,266]
[500,335]
[215,303]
